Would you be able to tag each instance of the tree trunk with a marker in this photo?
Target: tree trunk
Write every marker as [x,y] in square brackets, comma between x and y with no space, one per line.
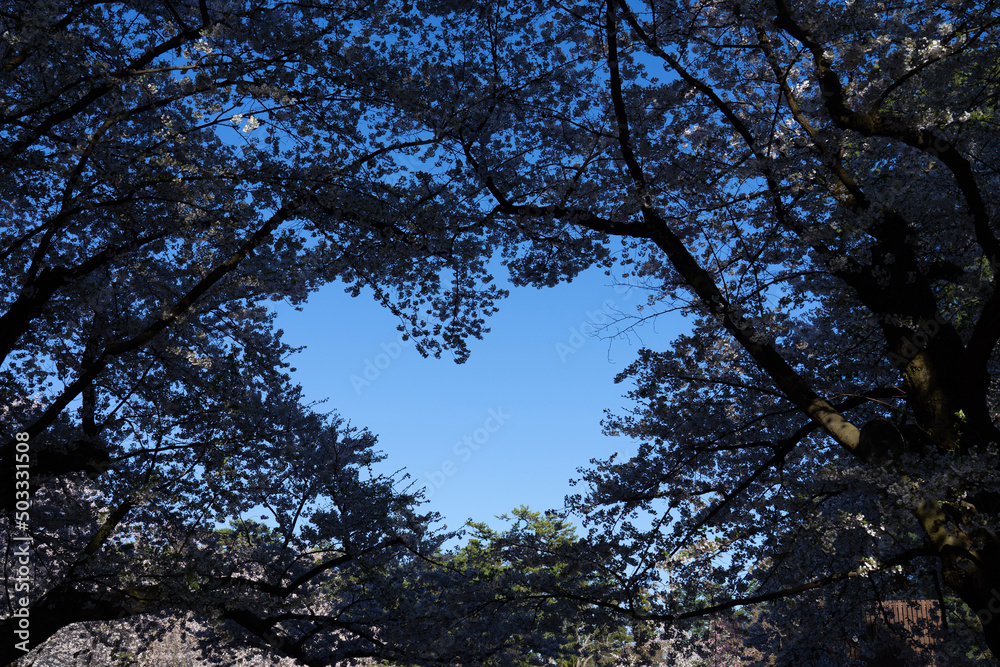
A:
[53,612]
[970,567]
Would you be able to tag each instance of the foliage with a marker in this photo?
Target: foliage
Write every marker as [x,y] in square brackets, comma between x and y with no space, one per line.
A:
[537,558]
[167,169]
[813,185]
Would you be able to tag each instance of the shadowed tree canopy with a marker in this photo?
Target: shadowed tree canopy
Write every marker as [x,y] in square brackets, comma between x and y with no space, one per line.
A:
[166,169]
[812,183]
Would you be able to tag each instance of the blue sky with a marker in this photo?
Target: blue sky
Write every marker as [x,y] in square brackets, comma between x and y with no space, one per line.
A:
[509,427]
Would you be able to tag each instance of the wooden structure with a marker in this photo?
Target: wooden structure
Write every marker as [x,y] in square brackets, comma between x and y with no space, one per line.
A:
[903,633]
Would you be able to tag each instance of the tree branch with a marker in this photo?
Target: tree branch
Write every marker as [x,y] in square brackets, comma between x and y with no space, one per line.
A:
[874,124]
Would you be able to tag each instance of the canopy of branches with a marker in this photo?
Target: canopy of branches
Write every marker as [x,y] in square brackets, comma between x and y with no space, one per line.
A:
[811,183]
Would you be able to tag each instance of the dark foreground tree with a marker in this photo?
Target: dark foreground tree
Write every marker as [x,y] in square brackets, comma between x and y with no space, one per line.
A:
[814,184]
[166,168]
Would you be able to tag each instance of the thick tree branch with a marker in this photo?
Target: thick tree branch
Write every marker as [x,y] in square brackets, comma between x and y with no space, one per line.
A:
[865,570]
[37,292]
[309,575]
[63,115]
[630,612]
[856,198]
[873,123]
[795,388]
[172,314]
